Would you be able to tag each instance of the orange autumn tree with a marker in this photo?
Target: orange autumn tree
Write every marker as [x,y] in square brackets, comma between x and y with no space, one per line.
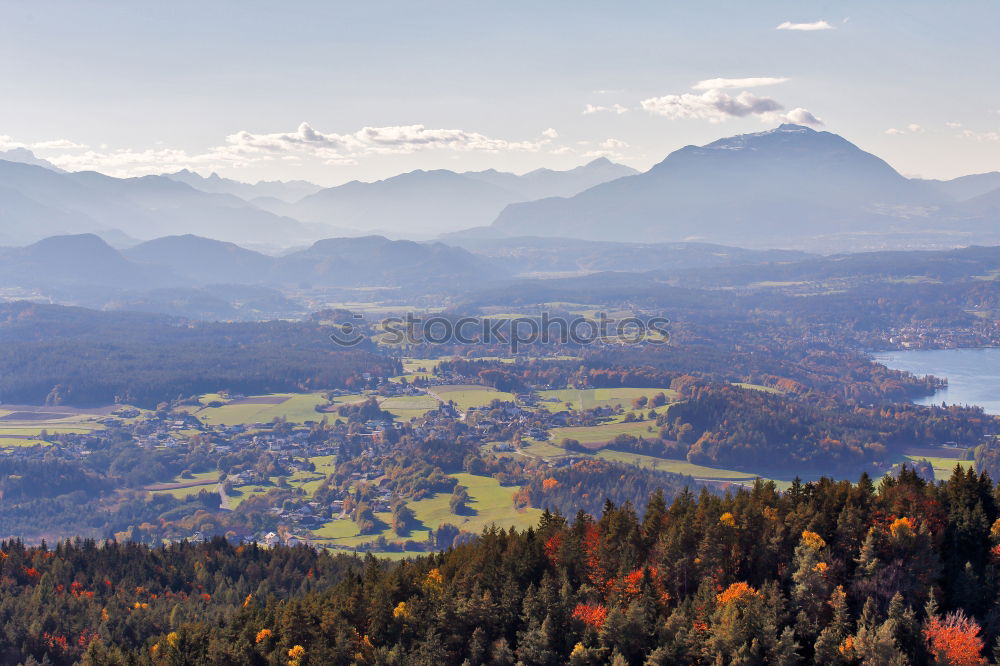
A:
[954,640]
[593,615]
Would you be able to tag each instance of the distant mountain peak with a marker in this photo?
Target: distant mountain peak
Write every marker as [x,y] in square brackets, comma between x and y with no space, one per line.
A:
[25,156]
[769,187]
[791,127]
[285,191]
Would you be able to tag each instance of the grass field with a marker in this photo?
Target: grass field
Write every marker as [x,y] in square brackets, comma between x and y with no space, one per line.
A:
[756,387]
[491,503]
[34,430]
[603,397]
[409,407]
[180,487]
[415,364]
[594,436]
[943,467]
[59,423]
[466,396]
[676,466]
[543,450]
[295,407]
[16,442]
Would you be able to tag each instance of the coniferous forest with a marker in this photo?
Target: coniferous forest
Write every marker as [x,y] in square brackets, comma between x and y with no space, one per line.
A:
[902,572]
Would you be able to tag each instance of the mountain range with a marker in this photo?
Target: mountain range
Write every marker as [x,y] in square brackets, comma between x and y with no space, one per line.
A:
[790,187]
[209,279]
[85,261]
[282,190]
[37,202]
[421,204]
[778,188]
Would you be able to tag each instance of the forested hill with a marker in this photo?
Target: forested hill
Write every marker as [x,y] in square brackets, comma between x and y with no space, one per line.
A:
[72,356]
[825,573]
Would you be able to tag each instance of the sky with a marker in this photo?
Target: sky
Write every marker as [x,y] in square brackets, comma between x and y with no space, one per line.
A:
[337,91]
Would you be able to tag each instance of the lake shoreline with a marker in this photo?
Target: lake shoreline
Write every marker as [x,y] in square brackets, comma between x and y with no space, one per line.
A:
[972,373]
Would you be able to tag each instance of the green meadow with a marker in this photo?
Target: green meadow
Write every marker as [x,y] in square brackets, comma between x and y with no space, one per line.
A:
[470,395]
[943,467]
[16,442]
[602,434]
[408,407]
[293,407]
[181,487]
[581,399]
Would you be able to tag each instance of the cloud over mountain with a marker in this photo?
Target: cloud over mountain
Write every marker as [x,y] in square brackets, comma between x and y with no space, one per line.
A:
[712,105]
[245,148]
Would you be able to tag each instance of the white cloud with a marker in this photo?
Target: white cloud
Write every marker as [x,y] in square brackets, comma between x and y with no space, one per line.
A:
[713,105]
[589,109]
[800,116]
[613,144]
[981,136]
[7,142]
[59,144]
[808,27]
[750,82]
[245,148]
[912,128]
[953,125]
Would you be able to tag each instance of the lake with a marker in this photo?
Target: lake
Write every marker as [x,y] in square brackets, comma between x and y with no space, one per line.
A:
[973,374]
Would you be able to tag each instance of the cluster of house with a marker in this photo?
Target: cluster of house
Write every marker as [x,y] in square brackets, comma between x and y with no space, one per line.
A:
[913,337]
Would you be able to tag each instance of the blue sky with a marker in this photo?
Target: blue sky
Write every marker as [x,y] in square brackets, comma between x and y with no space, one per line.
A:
[286,90]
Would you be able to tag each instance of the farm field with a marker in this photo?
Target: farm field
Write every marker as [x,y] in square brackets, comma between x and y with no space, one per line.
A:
[601,397]
[418,367]
[594,436]
[16,442]
[294,407]
[676,466]
[409,407]
[543,450]
[34,430]
[180,487]
[491,504]
[31,421]
[466,396]
[413,365]
[943,467]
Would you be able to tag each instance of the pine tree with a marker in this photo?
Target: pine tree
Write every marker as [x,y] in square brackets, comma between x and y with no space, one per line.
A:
[832,646]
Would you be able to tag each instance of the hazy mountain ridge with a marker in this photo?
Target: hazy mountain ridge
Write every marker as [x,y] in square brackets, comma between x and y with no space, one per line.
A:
[968,187]
[568,255]
[84,261]
[36,202]
[425,203]
[789,187]
[25,156]
[288,191]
